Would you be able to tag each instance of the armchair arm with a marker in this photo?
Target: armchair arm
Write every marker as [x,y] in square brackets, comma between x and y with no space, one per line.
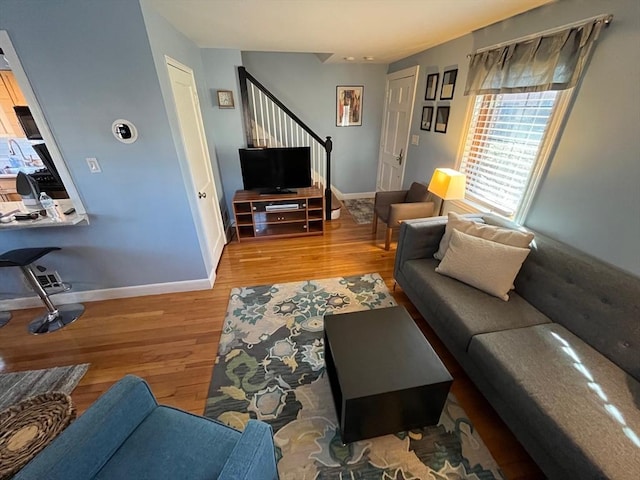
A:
[87,444]
[253,457]
[418,239]
[409,211]
[384,199]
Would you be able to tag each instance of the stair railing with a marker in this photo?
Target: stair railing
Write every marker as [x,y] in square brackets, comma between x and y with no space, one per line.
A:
[269,123]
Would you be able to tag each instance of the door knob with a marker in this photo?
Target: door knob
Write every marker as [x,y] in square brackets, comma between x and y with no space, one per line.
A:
[202,194]
[399,157]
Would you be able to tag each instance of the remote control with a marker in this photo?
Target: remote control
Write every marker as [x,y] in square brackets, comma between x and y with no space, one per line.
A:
[26,216]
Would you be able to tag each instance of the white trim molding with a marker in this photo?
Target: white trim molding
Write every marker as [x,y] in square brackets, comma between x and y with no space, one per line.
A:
[113,293]
[351,196]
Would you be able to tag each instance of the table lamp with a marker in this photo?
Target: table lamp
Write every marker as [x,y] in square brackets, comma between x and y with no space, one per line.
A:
[448,184]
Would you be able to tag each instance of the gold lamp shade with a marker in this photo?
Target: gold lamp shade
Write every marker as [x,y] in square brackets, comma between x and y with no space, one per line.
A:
[448,184]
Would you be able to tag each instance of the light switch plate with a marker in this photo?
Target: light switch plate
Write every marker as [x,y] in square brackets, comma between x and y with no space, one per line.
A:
[415,139]
[94,166]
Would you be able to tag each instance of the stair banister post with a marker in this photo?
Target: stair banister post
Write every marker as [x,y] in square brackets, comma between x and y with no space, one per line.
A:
[246,112]
[328,146]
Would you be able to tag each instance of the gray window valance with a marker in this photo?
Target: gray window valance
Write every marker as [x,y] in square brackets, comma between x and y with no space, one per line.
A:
[548,62]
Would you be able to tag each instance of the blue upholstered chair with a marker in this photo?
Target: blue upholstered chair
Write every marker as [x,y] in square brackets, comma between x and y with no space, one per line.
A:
[127,435]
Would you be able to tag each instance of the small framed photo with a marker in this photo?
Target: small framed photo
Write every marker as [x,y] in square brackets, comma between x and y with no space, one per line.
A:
[448,84]
[432,86]
[225,99]
[442,119]
[427,116]
[349,105]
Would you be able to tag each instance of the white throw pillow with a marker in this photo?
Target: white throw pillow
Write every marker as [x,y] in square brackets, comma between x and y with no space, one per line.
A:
[489,266]
[454,222]
[506,236]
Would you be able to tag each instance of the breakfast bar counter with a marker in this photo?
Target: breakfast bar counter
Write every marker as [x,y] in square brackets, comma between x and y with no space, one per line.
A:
[42,221]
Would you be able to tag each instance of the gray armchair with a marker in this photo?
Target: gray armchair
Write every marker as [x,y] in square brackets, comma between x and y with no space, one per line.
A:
[395,206]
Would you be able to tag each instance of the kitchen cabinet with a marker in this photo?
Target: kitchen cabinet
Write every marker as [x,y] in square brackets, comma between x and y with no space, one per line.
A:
[8,191]
[10,83]
[10,96]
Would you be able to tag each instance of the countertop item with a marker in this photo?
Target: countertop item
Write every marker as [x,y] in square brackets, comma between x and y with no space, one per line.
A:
[31,425]
[63,205]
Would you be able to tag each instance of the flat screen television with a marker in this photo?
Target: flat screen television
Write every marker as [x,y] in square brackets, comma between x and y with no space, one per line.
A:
[275,170]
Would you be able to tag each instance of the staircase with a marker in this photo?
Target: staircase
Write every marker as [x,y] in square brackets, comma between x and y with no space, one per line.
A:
[269,123]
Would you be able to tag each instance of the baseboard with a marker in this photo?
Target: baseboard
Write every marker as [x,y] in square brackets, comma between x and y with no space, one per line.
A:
[113,293]
[212,279]
[351,196]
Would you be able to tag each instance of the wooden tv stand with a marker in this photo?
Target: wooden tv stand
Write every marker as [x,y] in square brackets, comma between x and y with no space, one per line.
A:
[278,215]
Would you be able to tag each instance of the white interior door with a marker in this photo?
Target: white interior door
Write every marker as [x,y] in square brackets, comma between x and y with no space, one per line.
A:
[205,199]
[394,139]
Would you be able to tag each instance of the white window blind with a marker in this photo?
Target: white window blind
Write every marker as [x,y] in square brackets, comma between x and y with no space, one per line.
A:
[503,144]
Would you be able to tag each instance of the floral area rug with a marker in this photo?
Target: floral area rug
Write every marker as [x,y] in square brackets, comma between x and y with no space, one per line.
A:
[270,366]
[360,209]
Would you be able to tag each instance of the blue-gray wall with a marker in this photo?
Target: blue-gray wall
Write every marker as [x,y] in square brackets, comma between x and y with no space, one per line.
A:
[166,40]
[308,87]
[590,194]
[89,63]
[225,125]
[436,149]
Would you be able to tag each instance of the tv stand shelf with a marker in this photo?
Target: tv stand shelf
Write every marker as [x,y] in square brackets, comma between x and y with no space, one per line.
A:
[278,215]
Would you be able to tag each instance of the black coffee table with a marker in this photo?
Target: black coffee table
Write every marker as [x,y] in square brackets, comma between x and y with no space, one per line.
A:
[384,375]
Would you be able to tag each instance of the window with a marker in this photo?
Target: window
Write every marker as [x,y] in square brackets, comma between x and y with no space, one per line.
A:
[506,147]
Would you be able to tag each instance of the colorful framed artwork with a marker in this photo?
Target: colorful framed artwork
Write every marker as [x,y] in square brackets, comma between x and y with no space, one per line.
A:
[349,105]
[442,120]
[427,116]
[432,86]
[448,84]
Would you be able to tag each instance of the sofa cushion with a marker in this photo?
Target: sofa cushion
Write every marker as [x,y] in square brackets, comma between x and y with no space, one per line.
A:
[488,266]
[581,403]
[464,311]
[516,236]
[597,302]
[172,443]
[417,193]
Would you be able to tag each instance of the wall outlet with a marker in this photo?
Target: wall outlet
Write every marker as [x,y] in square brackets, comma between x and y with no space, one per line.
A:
[47,278]
[94,166]
[415,139]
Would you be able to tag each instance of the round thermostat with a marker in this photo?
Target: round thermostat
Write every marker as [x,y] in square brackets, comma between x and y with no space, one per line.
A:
[124,130]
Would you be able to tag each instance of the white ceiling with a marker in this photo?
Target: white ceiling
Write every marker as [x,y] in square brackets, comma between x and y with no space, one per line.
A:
[387,30]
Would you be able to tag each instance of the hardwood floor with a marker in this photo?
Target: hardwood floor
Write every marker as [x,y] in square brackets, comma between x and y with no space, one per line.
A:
[171,340]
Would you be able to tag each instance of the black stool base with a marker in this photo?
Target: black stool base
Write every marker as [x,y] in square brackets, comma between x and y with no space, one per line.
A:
[4,318]
[48,323]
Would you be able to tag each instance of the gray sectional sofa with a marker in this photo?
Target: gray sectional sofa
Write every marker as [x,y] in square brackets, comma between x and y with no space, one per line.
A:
[560,361]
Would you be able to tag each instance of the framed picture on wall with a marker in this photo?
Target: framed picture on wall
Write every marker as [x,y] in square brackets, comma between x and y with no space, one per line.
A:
[427,116]
[432,86]
[442,119]
[225,99]
[349,105]
[448,84]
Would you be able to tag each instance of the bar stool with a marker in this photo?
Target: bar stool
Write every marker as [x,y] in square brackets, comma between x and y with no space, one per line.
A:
[56,317]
